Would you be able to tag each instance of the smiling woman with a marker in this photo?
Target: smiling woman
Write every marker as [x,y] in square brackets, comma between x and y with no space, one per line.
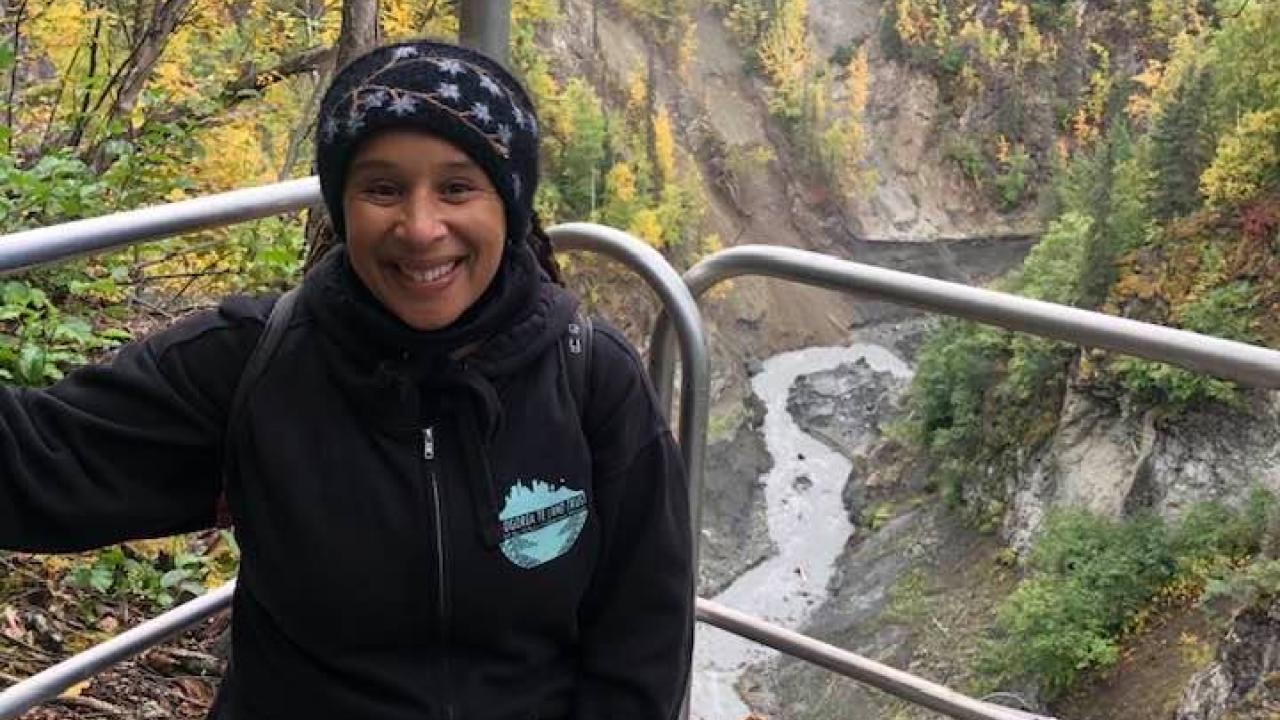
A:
[426,227]
[433,522]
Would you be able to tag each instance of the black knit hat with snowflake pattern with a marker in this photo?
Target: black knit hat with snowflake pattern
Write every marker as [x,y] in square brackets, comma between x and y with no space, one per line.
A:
[448,91]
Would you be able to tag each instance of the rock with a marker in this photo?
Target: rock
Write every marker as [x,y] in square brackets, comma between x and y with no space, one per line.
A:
[1218,454]
[897,204]
[1114,466]
[735,533]
[1244,682]
[845,407]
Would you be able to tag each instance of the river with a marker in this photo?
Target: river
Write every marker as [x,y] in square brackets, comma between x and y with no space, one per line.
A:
[806,521]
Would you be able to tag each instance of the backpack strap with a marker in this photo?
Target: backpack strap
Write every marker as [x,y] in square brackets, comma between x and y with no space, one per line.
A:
[268,343]
[575,351]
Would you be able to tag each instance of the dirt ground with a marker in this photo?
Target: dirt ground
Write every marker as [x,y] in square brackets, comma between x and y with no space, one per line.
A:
[43,621]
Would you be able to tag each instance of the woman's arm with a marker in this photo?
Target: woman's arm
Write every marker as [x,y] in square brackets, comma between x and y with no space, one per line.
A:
[127,449]
[637,619]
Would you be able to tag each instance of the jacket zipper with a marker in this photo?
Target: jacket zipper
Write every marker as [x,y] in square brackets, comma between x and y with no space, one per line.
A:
[429,456]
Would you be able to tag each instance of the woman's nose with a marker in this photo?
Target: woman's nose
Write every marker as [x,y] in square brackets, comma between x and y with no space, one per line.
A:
[423,219]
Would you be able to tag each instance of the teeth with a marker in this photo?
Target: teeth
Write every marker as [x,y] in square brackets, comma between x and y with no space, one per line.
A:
[431,274]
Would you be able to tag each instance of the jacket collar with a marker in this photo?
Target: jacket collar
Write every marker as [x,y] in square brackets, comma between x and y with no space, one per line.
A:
[379,359]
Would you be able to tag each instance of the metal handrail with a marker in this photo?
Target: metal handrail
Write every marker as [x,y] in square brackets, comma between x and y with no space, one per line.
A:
[30,248]
[891,680]
[35,247]
[695,383]
[1248,364]
[51,682]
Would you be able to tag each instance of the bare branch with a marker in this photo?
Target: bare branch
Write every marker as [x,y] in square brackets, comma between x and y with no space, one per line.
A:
[249,82]
[13,72]
[308,60]
[305,125]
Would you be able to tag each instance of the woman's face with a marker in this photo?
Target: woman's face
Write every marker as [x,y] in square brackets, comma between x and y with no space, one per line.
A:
[425,226]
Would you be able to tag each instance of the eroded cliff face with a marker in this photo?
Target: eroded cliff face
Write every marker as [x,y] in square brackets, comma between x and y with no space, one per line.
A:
[1112,464]
[918,194]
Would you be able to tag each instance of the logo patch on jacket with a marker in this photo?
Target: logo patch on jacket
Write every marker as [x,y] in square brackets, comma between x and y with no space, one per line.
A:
[540,522]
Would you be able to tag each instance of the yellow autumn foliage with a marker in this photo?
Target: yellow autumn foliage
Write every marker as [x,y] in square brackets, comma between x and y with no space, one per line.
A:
[637,95]
[786,55]
[688,49]
[664,143]
[398,18]
[621,181]
[173,72]
[233,156]
[647,226]
[1247,161]
[59,28]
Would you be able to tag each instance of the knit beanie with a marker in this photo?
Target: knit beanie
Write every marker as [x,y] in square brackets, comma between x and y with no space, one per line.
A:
[448,91]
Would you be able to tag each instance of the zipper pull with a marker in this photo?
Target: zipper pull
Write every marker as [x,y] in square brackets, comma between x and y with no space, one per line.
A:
[429,443]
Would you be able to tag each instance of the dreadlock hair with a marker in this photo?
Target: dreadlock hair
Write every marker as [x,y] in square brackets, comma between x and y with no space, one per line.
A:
[543,250]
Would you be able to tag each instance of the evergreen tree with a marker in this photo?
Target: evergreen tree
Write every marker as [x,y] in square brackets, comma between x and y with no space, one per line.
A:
[1182,147]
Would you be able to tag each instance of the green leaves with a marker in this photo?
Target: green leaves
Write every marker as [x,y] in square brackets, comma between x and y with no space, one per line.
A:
[40,341]
[122,574]
[7,55]
[1092,579]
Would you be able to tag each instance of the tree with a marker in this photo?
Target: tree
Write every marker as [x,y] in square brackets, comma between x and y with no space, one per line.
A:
[360,32]
[1182,146]
[1248,160]
[787,58]
[664,146]
[581,128]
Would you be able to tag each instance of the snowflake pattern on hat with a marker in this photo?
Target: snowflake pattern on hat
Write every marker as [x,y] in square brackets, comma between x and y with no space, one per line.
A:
[463,90]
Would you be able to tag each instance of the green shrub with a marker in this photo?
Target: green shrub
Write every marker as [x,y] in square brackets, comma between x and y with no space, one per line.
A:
[1089,577]
[1257,582]
[1210,530]
[966,153]
[1013,181]
[43,340]
[119,574]
[1226,312]
[1090,580]
[1155,383]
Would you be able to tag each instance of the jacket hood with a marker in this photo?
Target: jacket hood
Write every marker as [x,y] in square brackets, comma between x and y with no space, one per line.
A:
[380,359]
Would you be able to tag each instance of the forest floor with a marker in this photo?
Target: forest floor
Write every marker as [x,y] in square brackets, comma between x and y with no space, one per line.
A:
[45,618]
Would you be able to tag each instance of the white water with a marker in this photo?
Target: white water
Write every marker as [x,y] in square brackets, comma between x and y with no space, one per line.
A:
[808,526]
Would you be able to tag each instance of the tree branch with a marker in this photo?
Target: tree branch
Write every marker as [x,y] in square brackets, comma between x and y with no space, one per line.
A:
[316,59]
[308,60]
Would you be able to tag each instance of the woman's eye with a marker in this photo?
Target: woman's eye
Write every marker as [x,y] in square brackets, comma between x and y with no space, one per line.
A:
[457,191]
[382,190]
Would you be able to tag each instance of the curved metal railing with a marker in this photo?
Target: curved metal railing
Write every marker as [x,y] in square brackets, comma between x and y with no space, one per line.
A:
[1249,364]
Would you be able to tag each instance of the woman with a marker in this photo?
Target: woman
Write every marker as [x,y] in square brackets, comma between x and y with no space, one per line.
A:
[430,527]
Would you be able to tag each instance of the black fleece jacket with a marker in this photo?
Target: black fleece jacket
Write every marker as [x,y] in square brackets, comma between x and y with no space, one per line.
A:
[422,536]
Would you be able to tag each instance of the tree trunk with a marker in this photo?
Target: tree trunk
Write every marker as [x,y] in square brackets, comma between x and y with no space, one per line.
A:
[11,89]
[166,17]
[486,26]
[131,78]
[360,33]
